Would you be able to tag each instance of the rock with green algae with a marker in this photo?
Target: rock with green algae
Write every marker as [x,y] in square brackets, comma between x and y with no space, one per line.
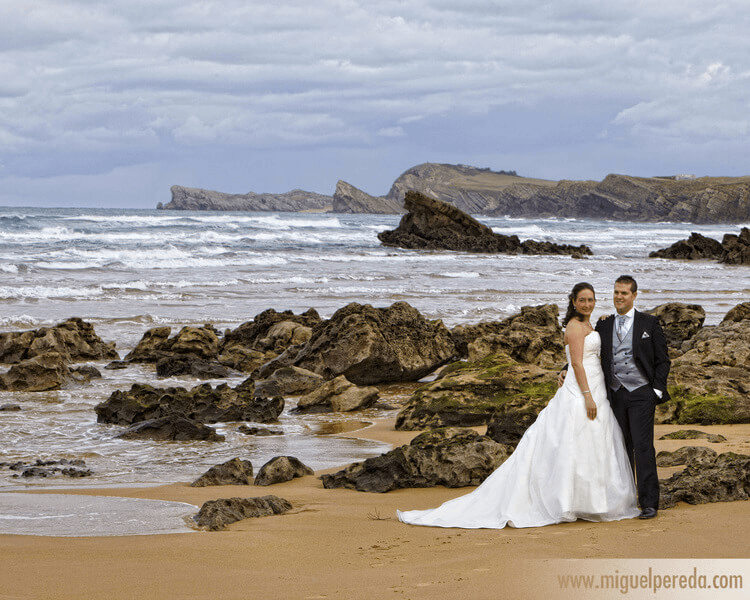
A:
[471,394]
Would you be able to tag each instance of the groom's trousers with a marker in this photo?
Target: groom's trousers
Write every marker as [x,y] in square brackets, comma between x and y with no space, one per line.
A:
[634,412]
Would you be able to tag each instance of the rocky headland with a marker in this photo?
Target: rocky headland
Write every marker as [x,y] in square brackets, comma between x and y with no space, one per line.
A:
[184,198]
[491,193]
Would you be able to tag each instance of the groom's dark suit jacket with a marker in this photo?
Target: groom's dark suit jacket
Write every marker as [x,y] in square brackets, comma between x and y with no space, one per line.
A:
[649,350]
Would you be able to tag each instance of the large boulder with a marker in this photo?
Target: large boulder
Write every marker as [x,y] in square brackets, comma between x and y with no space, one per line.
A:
[373,345]
[203,403]
[215,515]
[679,321]
[696,247]
[280,469]
[199,342]
[174,428]
[721,478]
[43,372]
[741,312]
[337,395]
[532,336]
[710,381]
[175,365]
[288,381]
[74,340]
[432,224]
[233,472]
[452,457]
[265,331]
[471,394]
[736,248]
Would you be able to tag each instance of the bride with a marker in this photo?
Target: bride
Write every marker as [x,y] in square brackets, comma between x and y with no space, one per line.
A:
[570,464]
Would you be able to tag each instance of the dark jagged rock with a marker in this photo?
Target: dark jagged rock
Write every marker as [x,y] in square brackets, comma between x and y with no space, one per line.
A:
[43,372]
[741,312]
[684,455]
[215,515]
[259,431]
[184,198]
[710,380]
[173,366]
[451,457]
[171,428]
[693,434]
[372,345]
[202,403]
[337,395]
[679,321]
[696,247]
[733,249]
[280,469]
[233,472]
[50,468]
[736,248]
[723,478]
[471,394]
[533,336]
[199,342]
[10,407]
[433,224]
[74,340]
[259,341]
[288,381]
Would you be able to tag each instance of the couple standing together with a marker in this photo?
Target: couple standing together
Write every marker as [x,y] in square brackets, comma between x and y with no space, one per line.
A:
[578,458]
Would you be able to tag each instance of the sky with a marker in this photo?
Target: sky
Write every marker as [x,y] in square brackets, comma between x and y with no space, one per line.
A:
[110,103]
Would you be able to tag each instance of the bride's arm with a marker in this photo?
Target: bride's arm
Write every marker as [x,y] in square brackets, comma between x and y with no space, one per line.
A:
[575,334]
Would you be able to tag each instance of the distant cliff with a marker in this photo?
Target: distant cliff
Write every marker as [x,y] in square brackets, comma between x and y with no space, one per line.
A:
[491,193]
[617,197]
[348,199]
[295,201]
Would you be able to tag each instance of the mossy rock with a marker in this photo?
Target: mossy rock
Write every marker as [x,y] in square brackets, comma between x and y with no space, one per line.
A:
[703,409]
[470,394]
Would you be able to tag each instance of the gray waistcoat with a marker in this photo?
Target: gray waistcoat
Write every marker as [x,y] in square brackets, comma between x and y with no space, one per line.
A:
[624,370]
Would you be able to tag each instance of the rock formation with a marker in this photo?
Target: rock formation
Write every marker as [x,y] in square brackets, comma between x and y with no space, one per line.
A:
[500,193]
[433,224]
[337,395]
[348,199]
[733,249]
[617,197]
[197,199]
[202,403]
[233,472]
[173,428]
[215,515]
[471,394]
[73,340]
[452,457]
[679,321]
[372,345]
[280,469]
[532,336]
[722,478]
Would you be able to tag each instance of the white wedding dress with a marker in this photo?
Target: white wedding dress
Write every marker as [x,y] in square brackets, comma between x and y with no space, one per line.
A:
[565,467]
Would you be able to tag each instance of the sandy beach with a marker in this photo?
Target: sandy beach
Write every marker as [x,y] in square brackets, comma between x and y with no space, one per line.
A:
[347,544]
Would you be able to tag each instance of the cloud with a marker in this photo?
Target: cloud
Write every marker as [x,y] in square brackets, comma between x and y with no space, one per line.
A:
[87,87]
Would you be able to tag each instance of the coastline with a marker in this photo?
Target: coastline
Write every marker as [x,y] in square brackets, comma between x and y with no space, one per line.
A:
[346,544]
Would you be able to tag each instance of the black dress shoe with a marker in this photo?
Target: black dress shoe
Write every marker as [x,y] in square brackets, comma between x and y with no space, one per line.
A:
[647,513]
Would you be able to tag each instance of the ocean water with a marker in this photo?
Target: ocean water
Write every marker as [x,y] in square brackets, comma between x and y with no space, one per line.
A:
[126,271]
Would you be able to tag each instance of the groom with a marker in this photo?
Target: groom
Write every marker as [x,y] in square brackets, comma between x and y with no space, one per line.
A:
[635,361]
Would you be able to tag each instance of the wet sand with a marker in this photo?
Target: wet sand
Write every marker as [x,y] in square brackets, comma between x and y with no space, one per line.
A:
[347,544]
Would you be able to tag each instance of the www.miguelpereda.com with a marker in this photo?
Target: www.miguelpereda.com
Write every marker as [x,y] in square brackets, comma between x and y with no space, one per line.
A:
[625,582]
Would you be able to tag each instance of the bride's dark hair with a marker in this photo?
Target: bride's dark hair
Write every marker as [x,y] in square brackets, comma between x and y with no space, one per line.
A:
[572,313]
